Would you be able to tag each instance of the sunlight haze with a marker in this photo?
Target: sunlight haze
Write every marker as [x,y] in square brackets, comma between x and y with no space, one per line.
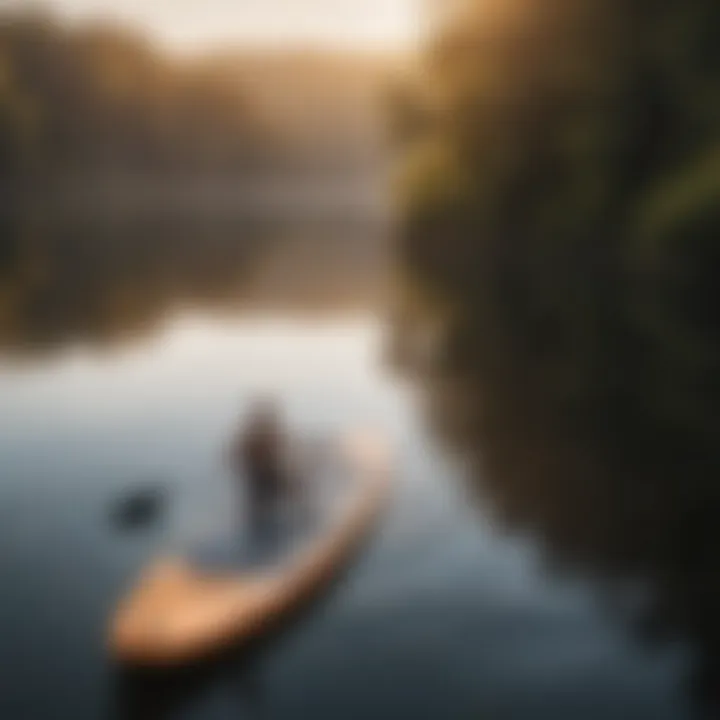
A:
[194,25]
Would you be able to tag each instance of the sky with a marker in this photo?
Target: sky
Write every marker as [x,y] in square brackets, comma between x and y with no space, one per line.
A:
[194,25]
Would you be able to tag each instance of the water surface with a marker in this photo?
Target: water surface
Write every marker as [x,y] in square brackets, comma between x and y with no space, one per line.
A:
[445,615]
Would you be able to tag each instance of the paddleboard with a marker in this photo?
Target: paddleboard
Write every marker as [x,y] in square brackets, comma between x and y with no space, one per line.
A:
[184,609]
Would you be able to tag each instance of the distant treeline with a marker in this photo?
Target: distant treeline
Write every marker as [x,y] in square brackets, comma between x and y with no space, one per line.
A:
[97,99]
[562,245]
[167,177]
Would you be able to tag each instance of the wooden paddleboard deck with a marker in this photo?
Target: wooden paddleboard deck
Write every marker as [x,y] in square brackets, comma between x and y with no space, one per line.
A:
[178,613]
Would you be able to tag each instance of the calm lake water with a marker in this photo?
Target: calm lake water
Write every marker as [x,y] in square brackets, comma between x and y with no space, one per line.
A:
[445,614]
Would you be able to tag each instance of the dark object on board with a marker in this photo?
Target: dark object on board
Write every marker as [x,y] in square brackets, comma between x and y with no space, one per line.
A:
[260,456]
[139,507]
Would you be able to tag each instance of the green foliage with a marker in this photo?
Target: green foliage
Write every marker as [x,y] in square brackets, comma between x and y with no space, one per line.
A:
[95,102]
[585,222]
[583,272]
[97,99]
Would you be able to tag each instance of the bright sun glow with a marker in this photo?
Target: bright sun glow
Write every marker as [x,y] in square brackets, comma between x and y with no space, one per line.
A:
[198,24]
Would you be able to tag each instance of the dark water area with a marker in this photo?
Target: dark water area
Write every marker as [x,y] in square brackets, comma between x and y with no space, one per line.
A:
[128,353]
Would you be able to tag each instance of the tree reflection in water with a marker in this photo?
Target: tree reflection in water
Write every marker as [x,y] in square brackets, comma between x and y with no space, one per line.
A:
[607,488]
[107,280]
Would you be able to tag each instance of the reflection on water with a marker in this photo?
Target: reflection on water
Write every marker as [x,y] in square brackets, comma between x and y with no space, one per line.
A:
[442,616]
[95,280]
[574,441]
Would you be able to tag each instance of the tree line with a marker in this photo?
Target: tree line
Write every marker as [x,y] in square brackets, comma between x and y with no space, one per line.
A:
[93,98]
[560,238]
[96,99]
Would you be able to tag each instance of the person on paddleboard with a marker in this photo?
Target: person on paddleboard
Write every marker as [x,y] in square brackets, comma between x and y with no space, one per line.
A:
[260,459]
